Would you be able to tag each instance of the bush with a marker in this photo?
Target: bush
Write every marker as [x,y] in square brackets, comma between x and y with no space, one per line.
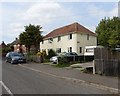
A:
[5,50]
[51,53]
[63,62]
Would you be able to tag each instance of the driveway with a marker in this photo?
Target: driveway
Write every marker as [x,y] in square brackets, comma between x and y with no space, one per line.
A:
[83,65]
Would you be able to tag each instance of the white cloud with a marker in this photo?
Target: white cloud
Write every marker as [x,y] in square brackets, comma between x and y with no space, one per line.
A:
[14,30]
[15,25]
[92,28]
[114,12]
[100,13]
[45,12]
[49,15]
[95,11]
[35,13]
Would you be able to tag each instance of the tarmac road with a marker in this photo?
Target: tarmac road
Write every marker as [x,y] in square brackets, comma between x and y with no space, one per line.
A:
[19,80]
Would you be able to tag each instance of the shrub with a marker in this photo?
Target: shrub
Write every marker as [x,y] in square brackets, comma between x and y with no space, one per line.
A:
[51,53]
[5,50]
[63,62]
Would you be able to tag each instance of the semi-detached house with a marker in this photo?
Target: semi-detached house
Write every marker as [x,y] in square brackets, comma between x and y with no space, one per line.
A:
[70,38]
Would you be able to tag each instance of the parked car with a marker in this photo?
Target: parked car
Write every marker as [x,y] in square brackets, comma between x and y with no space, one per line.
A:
[71,54]
[54,59]
[15,58]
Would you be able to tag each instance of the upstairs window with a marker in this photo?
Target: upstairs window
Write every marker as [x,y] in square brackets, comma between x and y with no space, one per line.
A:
[42,41]
[88,37]
[50,40]
[59,38]
[70,36]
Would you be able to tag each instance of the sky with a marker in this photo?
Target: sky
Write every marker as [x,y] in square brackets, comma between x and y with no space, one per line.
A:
[51,15]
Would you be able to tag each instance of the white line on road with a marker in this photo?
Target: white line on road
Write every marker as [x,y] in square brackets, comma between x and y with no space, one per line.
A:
[6,88]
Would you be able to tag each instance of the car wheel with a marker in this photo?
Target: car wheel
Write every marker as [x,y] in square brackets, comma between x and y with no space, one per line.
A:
[11,62]
[54,62]
[6,60]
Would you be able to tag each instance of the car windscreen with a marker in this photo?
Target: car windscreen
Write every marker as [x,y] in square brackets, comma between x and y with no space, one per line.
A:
[73,53]
[16,54]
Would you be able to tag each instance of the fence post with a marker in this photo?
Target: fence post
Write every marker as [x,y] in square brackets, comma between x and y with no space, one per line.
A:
[57,60]
[93,66]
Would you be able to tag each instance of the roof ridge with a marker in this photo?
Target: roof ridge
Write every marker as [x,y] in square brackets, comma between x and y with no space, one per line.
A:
[65,26]
[74,27]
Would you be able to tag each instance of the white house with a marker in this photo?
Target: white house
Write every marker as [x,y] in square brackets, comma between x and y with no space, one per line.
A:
[70,38]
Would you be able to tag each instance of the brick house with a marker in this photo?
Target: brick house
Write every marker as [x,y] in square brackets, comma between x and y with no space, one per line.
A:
[17,46]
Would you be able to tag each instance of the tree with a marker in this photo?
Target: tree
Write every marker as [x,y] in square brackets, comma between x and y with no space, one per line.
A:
[31,36]
[108,32]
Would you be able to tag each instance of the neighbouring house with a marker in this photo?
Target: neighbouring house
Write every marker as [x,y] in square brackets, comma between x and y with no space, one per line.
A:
[70,38]
[17,46]
[3,45]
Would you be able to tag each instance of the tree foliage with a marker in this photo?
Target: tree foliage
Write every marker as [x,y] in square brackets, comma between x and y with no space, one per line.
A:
[51,53]
[31,36]
[108,31]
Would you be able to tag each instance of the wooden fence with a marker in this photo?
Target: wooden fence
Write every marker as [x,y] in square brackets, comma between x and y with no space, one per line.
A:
[80,58]
[106,62]
[107,67]
[106,54]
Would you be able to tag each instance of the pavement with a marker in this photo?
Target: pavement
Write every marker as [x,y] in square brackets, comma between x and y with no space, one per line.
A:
[102,82]
[82,65]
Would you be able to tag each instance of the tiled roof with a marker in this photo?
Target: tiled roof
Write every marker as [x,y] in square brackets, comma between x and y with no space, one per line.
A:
[75,27]
[2,45]
[16,41]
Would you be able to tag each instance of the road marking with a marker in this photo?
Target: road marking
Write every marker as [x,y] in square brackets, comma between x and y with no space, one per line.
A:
[6,88]
[113,90]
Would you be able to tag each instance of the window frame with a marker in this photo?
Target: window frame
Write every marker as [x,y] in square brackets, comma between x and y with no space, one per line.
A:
[88,37]
[50,40]
[42,41]
[59,38]
[58,50]
[80,49]
[70,36]
[69,49]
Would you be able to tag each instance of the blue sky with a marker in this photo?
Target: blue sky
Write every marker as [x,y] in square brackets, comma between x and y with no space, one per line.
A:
[52,15]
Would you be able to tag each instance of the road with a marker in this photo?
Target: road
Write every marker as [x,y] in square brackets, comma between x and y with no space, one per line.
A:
[19,80]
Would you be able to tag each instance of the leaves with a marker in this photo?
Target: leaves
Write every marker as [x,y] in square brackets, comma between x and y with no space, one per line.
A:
[31,36]
[108,32]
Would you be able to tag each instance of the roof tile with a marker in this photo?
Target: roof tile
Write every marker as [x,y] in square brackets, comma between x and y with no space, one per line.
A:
[75,27]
